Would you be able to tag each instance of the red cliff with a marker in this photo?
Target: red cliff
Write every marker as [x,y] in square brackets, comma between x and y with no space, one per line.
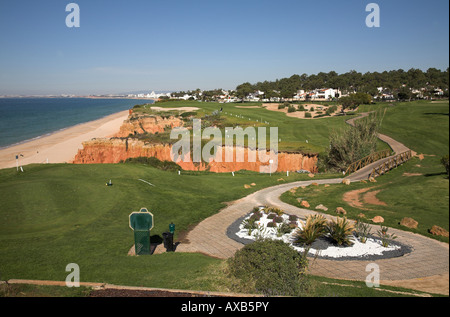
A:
[101,151]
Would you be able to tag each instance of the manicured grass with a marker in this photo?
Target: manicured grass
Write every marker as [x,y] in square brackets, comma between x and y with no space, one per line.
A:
[422,126]
[424,198]
[53,215]
[307,136]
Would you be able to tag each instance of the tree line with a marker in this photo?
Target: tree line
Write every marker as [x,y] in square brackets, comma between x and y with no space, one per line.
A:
[395,81]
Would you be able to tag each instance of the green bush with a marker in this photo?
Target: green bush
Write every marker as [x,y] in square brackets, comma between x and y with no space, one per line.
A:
[269,267]
[301,108]
[354,143]
[308,115]
[292,109]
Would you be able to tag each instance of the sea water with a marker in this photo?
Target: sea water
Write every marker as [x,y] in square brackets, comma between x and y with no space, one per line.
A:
[24,119]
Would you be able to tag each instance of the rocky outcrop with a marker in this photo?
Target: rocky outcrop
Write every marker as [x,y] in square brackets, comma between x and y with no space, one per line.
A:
[141,124]
[114,150]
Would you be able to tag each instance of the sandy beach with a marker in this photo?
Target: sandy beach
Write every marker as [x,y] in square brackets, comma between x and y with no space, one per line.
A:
[62,146]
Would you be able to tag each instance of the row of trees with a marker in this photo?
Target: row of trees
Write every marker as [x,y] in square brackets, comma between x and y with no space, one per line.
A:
[396,81]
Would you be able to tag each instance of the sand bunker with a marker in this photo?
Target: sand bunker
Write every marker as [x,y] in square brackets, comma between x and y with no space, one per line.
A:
[318,109]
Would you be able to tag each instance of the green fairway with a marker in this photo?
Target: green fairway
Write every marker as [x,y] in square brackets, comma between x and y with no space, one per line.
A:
[53,215]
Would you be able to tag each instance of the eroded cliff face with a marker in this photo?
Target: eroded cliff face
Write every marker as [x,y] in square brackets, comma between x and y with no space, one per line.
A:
[140,124]
[104,151]
[122,147]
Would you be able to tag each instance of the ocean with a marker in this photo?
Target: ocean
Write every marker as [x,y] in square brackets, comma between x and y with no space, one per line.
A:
[25,119]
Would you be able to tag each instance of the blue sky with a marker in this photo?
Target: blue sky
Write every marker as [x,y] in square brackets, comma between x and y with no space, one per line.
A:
[173,45]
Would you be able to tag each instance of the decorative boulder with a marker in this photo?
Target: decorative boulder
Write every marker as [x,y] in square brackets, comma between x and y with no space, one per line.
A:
[378,219]
[341,211]
[305,204]
[346,182]
[409,223]
[438,231]
[311,175]
[322,207]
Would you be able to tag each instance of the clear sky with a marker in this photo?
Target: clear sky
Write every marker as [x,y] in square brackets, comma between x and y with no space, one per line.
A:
[172,45]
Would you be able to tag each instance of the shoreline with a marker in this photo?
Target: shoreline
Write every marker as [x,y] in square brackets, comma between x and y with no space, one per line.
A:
[61,146]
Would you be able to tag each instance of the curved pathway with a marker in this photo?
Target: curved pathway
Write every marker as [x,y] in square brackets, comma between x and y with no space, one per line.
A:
[426,268]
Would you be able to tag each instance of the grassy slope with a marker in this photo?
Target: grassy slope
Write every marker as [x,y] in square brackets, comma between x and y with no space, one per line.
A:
[423,127]
[53,215]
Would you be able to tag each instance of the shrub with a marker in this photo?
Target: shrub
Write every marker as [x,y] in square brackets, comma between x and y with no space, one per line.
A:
[301,108]
[385,237]
[271,216]
[278,219]
[362,231]
[354,143]
[293,218]
[313,228]
[276,211]
[283,229]
[272,224]
[332,109]
[292,109]
[340,231]
[269,267]
[308,115]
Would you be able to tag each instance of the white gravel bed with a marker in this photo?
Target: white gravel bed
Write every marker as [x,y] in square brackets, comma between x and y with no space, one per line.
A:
[372,247]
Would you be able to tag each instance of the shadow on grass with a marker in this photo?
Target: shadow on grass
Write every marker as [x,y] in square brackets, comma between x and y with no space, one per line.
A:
[436,174]
[436,113]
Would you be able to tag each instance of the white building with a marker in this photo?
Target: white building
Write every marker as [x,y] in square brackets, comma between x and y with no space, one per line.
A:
[325,94]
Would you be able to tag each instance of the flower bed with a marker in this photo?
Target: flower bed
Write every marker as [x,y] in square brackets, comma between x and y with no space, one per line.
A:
[262,224]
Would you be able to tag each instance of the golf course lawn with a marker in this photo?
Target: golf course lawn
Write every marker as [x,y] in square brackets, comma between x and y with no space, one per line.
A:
[53,215]
[418,189]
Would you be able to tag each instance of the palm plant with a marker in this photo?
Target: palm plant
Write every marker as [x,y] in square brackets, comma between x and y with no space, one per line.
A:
[313,228]
[341,231]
